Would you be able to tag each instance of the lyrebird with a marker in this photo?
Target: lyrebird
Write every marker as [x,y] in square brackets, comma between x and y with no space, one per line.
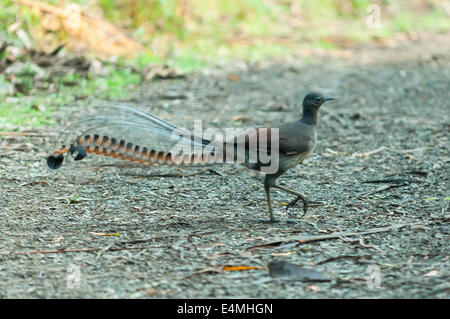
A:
[146,139]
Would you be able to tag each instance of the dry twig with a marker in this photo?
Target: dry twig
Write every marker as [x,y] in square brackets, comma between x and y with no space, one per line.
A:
[307,239]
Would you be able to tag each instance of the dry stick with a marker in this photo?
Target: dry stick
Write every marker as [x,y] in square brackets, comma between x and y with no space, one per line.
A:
[342,257]
[410,150]
[395,180]
[382,148]
[153,239]
[77,250]
[387,180]
[374,204]
[25,134]
[307,239]
[383,188]
[361,242]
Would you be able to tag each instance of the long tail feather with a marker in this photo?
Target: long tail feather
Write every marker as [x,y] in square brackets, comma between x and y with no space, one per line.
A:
[106,146]
[134,127]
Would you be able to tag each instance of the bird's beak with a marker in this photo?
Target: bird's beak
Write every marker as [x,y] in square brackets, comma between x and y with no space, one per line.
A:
[329,98]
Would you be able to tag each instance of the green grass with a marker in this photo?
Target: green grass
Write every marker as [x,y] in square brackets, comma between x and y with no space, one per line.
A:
[37,109]
[21,113]
[434,20]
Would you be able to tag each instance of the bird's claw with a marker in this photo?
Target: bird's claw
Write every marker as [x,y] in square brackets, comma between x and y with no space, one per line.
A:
[292,204]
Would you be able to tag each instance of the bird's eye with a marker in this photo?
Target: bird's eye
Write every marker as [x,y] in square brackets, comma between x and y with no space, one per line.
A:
[318,98]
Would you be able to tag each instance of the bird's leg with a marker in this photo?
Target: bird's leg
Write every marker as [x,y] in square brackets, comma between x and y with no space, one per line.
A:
[269,181]
[269,202]
[299,196]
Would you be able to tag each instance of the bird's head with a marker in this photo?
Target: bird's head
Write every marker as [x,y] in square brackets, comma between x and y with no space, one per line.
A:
[311,105]
[314,100]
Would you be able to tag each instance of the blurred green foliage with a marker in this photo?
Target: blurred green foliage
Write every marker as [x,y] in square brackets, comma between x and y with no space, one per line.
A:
[185,32]
[36,109]
[188,34]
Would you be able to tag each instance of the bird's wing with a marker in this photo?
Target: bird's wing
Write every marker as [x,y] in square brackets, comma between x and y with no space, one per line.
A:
[292,138]
[295,138]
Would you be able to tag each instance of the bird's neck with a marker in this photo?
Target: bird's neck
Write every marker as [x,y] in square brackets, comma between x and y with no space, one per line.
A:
[309,116]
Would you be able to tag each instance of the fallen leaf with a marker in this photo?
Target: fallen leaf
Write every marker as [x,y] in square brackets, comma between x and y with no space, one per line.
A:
[154,291]
[234,78]
[211,270]
[432,273]
[151,292]
[313,288]
[282,254]
[420,227]
[254,238]
[295,272]
[104,234]
[214,256]
[387,265]
[34,183]
[240,117]
[269,245]
[240,268]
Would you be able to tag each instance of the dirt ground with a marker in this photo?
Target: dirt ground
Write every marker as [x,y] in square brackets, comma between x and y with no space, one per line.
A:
[91,230]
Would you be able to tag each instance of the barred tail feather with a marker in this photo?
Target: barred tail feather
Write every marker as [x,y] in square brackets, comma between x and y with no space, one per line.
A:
[106,146]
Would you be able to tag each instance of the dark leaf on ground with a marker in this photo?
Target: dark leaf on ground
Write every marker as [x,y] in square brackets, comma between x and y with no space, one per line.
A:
[295,272]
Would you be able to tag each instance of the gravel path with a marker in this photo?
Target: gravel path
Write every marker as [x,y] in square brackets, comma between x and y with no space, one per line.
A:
[166,233]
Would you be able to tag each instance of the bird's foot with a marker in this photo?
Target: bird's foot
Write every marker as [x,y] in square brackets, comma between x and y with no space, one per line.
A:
[292,204]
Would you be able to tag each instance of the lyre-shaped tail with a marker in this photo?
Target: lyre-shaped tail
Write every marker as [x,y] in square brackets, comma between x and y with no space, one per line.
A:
[106,146]
[153,140]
